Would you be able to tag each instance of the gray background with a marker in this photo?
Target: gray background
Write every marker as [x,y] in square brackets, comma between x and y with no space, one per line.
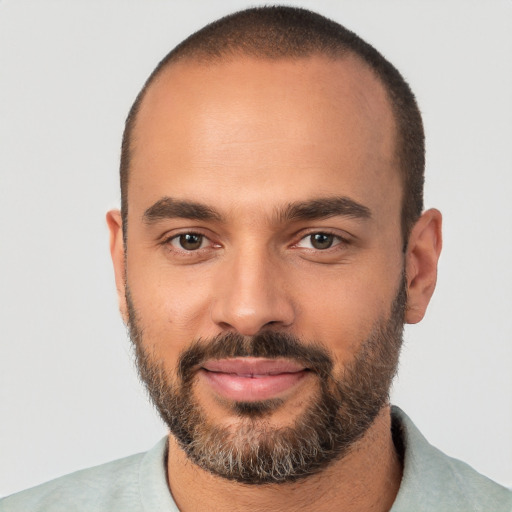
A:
[69,70]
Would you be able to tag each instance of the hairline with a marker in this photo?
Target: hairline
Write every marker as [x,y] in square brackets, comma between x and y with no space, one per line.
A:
[201,57]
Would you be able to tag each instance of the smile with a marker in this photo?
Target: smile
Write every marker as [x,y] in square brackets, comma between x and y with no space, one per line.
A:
[252,379]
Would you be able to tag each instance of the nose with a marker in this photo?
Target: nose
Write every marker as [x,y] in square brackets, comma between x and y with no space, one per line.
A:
[251,295]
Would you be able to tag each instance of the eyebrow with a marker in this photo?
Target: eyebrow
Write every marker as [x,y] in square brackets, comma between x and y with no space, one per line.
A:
[324,208]
[319,208]
[169,208]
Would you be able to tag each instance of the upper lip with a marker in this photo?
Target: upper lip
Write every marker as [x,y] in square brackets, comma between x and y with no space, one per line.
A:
[250,366]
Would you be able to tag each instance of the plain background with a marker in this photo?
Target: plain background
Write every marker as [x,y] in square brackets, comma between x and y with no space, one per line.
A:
[69,70]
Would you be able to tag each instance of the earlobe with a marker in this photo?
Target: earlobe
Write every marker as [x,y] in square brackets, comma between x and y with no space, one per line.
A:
[423,250]
[115,226]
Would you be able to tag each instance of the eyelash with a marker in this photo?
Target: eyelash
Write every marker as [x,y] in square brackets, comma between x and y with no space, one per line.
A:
[337,241]
[168,242]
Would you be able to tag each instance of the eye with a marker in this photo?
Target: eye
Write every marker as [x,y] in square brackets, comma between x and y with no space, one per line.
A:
[188,241]
[319,241]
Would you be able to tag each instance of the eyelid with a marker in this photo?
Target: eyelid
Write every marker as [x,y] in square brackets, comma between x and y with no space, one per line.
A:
[175,233]
[335,243]
[176,238]
[166,239]
[344,237]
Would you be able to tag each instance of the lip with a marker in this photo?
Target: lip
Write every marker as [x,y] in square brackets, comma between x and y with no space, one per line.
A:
[251,379]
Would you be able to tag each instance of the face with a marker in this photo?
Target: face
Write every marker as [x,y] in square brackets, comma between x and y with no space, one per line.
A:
[263,280]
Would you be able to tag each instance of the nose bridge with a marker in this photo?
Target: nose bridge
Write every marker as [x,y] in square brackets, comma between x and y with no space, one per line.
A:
[250,294]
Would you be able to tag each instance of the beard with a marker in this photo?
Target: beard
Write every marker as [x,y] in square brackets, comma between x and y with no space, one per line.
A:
[253,450]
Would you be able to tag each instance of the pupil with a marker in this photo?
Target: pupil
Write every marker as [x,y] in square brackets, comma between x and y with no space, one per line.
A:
[321,241]
[190,241]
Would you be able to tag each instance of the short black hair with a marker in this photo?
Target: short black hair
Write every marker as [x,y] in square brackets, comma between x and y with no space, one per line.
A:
[277,32]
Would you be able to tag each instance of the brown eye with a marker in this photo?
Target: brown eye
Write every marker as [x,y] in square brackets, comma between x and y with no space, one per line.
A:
[189,241]
[321,240]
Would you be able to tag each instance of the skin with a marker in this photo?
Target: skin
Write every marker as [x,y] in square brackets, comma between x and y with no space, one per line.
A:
[248,137]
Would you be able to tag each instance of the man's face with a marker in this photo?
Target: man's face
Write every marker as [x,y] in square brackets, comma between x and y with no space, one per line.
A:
[265,199]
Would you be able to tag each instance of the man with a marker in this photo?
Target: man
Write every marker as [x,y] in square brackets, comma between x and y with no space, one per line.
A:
[270,246]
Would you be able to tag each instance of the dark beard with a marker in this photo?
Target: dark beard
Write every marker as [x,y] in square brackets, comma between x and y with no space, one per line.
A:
[254,451]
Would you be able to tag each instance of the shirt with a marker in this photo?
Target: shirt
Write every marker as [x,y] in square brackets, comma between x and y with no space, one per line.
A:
[431,482]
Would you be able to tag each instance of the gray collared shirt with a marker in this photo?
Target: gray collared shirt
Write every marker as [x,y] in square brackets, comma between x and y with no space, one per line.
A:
[431,482]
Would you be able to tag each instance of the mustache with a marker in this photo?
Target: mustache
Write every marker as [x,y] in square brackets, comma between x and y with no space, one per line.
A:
[269,345]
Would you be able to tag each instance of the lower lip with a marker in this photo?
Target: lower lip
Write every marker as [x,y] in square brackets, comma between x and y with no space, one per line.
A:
[250,389]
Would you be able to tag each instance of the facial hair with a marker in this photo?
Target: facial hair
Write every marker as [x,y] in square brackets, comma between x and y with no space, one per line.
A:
[254,451]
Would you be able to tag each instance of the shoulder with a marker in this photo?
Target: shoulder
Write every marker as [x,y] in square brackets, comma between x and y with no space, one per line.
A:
[111,486]
[433,481]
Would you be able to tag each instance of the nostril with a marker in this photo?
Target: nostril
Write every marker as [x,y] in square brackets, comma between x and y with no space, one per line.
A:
[226,327]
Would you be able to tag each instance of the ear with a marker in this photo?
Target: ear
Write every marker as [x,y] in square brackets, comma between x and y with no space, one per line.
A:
[115,226]
[423,250]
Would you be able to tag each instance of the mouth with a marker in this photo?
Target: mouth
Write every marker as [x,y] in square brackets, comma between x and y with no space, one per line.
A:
[251,379]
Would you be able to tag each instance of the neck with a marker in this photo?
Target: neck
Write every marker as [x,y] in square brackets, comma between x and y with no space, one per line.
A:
[366,479]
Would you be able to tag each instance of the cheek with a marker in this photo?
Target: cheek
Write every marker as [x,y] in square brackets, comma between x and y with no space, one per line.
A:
[341,310]
[171,310]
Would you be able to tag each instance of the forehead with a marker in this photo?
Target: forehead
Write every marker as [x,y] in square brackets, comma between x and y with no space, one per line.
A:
[293,124]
